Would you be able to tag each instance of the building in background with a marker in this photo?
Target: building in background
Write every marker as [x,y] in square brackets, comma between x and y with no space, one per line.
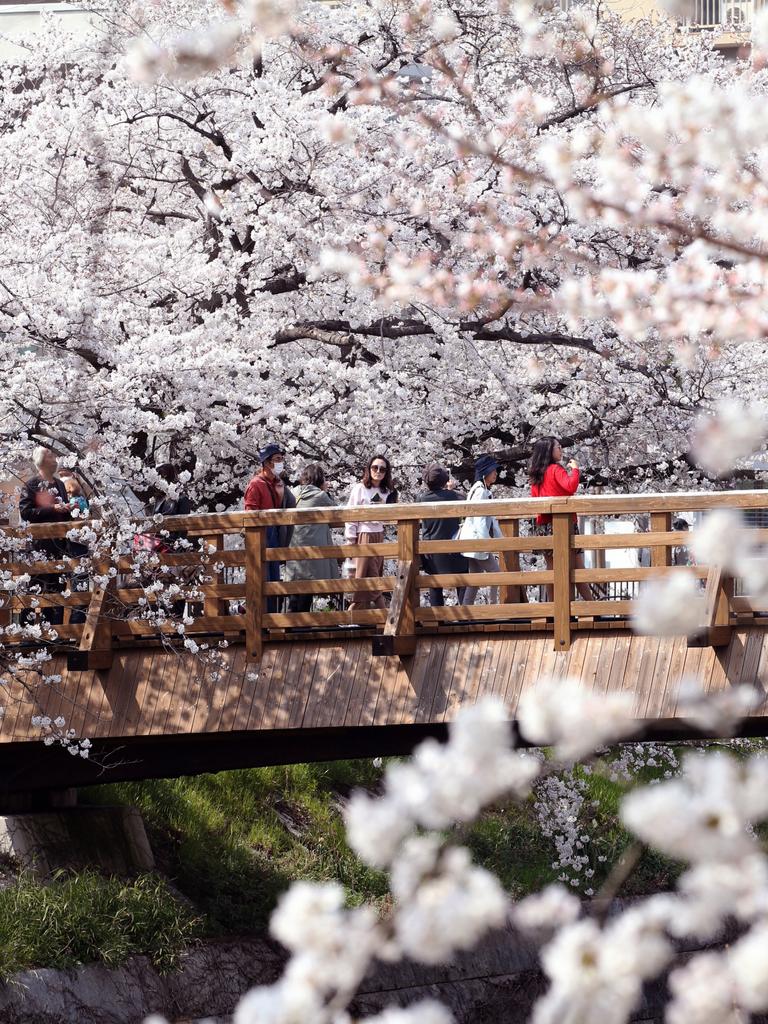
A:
[21,21]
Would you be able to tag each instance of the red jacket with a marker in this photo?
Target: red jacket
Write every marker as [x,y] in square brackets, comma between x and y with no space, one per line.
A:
[261,494]
[557,483]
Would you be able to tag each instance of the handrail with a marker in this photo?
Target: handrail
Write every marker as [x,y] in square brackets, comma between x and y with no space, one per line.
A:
[248,601]
[516,508]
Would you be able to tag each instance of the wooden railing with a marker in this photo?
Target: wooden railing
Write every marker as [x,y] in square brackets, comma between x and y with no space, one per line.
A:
[230,557]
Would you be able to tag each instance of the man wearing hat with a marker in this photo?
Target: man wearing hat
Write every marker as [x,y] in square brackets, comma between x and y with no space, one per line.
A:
[439,488]
[481,527]
[267,490]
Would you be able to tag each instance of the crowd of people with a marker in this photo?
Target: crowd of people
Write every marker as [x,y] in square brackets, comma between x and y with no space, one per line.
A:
[51,496]
[268,489]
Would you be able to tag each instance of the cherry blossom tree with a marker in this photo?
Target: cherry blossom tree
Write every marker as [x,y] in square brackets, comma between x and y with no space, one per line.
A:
[443,228]
[221,239]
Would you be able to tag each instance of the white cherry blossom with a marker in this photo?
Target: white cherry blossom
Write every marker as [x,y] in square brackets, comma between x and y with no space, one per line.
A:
[565,714]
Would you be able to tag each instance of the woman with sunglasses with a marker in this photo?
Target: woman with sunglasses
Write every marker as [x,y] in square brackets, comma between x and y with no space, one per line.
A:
[375,488]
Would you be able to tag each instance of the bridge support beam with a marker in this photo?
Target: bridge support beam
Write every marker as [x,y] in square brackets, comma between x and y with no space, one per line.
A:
[399,637]
[716,628]
[95,651]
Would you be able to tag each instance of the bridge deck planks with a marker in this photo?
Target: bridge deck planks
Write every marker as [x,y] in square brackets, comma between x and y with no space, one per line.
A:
[335,683]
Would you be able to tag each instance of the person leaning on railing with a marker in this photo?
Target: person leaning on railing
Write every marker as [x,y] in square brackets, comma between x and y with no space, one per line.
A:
[43,499]
[440,488]
[481,527]
[549,479]
[375,488]
[311,494]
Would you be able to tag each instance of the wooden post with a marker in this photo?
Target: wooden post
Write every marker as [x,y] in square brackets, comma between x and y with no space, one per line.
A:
[562,531]
[661,522]
[399,635]
[95,650]
[510,562]
[255,573]
[716,631]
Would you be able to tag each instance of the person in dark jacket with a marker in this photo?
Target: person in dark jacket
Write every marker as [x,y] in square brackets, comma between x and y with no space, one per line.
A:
[164,505]
[437,480]
[44,499]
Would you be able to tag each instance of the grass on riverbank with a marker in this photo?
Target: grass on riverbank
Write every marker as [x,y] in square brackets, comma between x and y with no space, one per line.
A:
[85,918]
[232,842]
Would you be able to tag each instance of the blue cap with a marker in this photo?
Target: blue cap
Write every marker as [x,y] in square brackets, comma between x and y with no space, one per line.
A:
[268,452]
[485,465]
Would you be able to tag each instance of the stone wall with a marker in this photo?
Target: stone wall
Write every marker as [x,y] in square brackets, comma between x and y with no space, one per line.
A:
[497,982]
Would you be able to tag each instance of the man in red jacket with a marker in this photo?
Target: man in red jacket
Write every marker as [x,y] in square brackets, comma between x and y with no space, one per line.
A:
[265,491]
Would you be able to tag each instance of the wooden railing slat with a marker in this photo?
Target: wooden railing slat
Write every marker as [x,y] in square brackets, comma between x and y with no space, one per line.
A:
[469,613]
[357,617]
[337,586]
[340,551]
[607,607]
[487,579]
[562,557]
[675,539]
[634,575]
[255,565]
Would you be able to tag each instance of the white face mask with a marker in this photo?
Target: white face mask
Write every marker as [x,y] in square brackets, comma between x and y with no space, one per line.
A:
[278,468]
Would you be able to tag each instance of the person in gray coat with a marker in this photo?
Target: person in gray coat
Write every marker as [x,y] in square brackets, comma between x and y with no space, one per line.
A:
[311,494]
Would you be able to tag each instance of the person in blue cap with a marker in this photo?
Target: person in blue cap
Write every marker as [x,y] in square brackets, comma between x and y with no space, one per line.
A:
[267,490]
[481,527]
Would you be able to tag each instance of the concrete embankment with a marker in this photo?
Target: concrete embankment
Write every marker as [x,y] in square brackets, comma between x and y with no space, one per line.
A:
[498,981]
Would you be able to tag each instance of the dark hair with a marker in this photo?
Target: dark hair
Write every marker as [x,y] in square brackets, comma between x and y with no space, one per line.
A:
[541,458]
[168,472]
[436,476]
[313,474]
[386,484]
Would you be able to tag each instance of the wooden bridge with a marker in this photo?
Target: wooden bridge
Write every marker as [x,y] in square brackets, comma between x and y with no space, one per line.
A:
[266,687]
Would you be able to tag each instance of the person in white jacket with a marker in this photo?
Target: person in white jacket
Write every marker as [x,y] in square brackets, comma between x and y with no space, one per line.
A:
[481,527]
[375,488]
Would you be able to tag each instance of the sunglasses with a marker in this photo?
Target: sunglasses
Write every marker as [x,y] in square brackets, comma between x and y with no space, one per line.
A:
[378,469]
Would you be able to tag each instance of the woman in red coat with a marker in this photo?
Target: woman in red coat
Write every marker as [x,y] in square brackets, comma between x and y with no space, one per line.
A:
[550,480]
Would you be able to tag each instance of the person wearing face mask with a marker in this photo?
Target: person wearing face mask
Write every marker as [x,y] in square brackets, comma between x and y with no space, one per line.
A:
[267,490]
[375,488]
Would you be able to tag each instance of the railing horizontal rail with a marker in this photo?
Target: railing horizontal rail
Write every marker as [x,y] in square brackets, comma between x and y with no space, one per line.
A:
[522,508]
[601,607]
[47,600]
[606,541]
[359,617]
[633,575]
[335,586]
[467,613]
[485,579]
[295,554]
